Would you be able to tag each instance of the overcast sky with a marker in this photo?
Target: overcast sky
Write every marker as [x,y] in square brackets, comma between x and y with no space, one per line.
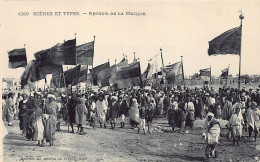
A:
[179,28]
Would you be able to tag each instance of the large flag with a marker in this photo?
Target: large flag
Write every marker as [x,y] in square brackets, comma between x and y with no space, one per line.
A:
[66,79]
[17,58]
[31,73]
[85,53]
[224,73]
[113,78]
[228,42]
[129,75]
[97,70]
[60,54]
[155,65]
[205,72]
[104,76]
[44,65]
[173,73]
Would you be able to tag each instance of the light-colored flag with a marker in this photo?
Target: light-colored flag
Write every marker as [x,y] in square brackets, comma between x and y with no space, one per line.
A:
[155,65]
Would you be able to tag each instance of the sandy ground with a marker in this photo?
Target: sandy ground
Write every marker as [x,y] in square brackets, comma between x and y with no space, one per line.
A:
[126,145]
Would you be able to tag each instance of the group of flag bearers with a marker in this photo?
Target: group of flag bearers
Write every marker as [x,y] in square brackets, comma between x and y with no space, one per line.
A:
[122,76]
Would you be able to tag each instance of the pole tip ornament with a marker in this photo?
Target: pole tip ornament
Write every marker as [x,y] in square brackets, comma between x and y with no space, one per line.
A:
[241,16]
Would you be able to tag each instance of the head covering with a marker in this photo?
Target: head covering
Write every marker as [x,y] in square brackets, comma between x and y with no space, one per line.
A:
[134,101]
[114,98]
[51,96]
[210,114]
[253,103]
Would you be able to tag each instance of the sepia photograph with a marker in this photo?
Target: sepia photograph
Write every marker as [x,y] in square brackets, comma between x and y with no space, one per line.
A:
[149,80]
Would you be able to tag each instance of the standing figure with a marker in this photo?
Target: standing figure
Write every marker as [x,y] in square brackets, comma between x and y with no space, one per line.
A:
[173,113]
[113,112]
[253,120]
[23,106]
[134,113]
[235,123]
[39,127]
[142,115]
[51,119]
[149,114]
[189,106]
[101,107]
[123,112]
[81,113]
[18,99]
[10,105]
[93,111]
[71,111]
[211,133]
[227,109]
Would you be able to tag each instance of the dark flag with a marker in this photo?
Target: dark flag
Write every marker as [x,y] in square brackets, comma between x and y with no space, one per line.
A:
[31,73]
[60,54]
[113,77]
[97,70]
[71,74]
[228,42]
[17,58]
[129,75]
[224,73]
[104,76]
[85,53]
[205,72]
[173,73]
[44,65]
[64,53]
[87,78]
[83,76]
[59,80]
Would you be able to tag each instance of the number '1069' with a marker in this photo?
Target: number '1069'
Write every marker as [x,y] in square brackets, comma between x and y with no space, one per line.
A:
[23,13]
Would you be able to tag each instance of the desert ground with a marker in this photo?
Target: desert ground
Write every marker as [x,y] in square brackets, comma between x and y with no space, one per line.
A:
[125,144]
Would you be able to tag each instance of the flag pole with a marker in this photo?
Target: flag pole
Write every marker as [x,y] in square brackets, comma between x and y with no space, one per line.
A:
[76,59]
[134,57]
[162,57]
[182,71]
[227,75]
[210,76]
[163,66]
[93,61]
[241,17]
[86,73]
[44,83]
[59,79]
[141,81]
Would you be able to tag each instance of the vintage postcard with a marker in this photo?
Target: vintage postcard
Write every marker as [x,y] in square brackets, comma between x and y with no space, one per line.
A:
[150,80]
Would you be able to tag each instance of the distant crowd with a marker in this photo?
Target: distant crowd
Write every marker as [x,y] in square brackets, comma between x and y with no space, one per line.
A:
[40,113]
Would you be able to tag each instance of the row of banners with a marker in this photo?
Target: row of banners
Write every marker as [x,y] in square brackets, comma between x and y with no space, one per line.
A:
[121,75]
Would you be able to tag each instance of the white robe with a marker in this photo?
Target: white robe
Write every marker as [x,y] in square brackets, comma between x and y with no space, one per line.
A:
[101,111]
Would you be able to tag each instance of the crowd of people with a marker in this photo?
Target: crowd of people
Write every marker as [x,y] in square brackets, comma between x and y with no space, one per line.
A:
[40,113]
